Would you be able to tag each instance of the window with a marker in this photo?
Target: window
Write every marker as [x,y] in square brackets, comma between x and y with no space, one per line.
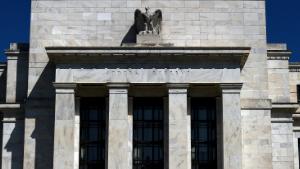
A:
[148,133]
[92,133]
[204,143]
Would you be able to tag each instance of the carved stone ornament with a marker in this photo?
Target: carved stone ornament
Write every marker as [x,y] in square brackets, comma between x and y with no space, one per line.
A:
[147,22]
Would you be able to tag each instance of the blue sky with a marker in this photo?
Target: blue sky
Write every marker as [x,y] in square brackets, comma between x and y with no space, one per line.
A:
[283,23]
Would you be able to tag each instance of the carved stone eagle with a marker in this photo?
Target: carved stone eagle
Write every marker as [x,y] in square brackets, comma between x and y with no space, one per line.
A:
[148,23]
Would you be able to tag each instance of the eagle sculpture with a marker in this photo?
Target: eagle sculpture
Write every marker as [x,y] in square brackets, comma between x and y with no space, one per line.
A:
[147,22]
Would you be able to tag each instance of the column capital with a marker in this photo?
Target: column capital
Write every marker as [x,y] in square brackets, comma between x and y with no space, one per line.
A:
[64,85]
[118,85]
[178,85]
[178,88]
[65,88]
[231,87]
[15,50]
[11,56]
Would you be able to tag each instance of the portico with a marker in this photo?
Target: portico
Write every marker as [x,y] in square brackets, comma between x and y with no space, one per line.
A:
[123,74]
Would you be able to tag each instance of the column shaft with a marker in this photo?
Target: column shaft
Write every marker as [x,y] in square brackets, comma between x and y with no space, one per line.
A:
[232,129]
[64,133]
[179,136]
[118,129]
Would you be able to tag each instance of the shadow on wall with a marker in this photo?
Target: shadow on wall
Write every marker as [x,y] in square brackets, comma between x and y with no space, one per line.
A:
[14,145]
[3,87]
[22,78]
[130,36]
[41,107]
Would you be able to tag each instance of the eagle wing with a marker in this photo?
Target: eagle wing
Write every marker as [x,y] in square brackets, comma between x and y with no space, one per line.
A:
[156,20]
[139,21]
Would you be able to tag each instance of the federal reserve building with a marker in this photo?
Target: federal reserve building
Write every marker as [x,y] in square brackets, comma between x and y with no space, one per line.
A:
[149,84]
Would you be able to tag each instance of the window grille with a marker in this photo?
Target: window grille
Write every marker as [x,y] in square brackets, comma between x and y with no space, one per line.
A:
[92,133]
[204,142]
[148,122]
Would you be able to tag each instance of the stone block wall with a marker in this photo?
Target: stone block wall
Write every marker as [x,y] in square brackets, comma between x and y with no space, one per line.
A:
[185,23]
[282,140]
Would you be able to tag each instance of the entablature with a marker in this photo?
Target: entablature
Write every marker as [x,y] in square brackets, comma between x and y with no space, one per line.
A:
[92,55]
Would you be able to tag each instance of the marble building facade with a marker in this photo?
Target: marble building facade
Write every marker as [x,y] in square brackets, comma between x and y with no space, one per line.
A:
[219,96]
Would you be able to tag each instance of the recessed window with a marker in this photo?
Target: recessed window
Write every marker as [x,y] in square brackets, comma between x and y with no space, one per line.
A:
[92,133]
[203,127]
[148,142]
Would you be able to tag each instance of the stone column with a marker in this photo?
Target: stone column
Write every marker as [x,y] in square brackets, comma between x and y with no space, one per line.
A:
[179,136]
[64,133]
[118,127]
[232,129]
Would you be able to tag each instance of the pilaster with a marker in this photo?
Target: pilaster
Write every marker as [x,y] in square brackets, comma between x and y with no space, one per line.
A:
[118,128]
[232,128]
[65,125]
[179,136]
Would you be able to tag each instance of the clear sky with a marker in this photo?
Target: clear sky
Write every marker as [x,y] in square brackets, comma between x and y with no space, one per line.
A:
[283,23]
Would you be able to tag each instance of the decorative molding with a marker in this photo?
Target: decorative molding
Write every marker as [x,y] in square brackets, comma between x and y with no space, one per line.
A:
[230,86]
[12,110]
[256,104]
[16,49]
[10,106]
[294,67]
[178,88]
[282,120]
[178,85]
[279,54]
[65,88]
[118,85]
[118,88]
[287,106]
[278,57]
[93,55]
[64,85]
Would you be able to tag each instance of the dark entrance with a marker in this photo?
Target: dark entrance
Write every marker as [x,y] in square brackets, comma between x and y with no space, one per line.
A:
[204,142]
[92,133]
[148,133]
